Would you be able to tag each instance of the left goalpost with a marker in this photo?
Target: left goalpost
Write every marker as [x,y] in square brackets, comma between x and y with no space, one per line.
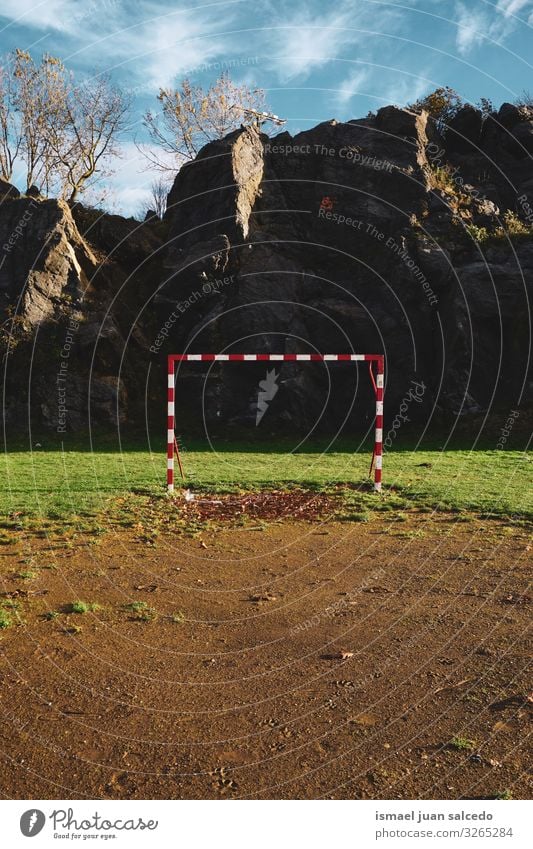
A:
[377,383]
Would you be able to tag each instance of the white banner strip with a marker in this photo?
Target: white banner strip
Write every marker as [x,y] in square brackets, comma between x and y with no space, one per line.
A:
[263,824]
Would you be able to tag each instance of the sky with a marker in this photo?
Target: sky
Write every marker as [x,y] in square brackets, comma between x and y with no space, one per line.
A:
[316,59]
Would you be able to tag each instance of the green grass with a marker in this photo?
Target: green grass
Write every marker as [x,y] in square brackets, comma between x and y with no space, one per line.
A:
[57,484]
[143,612]
[83,607]
[135,606]
[5,619]
[51,615]
[462,744]
[177,618]
[504,794]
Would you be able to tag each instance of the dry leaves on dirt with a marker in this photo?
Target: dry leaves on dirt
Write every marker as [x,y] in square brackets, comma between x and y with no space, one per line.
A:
[271,504]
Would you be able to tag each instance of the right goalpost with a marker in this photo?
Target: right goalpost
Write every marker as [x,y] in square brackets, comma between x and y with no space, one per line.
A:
[377,383]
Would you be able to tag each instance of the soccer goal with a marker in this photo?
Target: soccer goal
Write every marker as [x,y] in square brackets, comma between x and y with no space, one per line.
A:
[377,383]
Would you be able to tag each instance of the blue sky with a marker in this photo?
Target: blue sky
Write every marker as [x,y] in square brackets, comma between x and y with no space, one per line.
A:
[316,59]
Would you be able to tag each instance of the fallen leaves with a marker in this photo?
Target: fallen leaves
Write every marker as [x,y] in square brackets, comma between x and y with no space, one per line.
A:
[265,504]
[22,593]
[516,598]
[367,720]
[260,598]
[339,655]
[502,726]
[453,686]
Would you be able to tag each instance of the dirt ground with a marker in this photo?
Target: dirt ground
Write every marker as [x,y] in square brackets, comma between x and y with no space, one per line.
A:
[285,659]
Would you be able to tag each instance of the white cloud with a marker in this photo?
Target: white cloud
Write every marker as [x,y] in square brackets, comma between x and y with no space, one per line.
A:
[169,46]
[43,15]
[154,42]
[350,86]
[512,7]
[385,85]
[475,26]
[471,28]
[129,186]
[62,16]
[405,89]
[308,42]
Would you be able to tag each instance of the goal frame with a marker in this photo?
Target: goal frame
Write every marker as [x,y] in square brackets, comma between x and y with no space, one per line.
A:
[377,384]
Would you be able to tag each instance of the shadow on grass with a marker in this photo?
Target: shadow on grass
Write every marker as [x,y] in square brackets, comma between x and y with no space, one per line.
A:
[240,442]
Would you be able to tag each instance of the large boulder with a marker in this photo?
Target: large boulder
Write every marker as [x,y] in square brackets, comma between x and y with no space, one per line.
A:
[43,258]
[296,224]
[70,313]
[8,191]
[335,239]
[463,132]
[523,133]
[508,115]
[401,122]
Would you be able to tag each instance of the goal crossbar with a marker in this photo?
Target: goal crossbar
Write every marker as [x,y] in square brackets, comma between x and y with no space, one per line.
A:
[377,383]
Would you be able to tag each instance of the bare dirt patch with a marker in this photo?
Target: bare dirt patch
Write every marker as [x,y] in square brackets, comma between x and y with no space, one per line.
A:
[296,659]
[263,504]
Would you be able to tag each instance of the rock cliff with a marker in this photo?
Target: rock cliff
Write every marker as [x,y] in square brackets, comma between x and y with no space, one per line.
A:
[375,235]
[72,284]
[383,234]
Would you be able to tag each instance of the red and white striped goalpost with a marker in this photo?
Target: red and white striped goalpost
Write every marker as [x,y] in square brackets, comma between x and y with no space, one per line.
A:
[377,383]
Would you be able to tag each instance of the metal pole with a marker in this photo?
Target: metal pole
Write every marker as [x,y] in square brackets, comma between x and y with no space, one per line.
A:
[378,448]
[170,425]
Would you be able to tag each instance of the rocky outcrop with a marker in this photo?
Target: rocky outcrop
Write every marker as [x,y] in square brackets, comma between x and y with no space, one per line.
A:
[8,191]
[383,234]
[69,304]
[356,236]
[43,258]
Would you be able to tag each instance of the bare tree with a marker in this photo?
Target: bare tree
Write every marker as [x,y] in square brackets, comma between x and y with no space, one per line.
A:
[158,195]
[10,128]
[63,132]
[190,117]
[87,133]
[38,95]
[156,202]
[525,104]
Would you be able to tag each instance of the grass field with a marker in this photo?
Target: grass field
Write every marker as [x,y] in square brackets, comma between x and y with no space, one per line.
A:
[57,483]
[326,642]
